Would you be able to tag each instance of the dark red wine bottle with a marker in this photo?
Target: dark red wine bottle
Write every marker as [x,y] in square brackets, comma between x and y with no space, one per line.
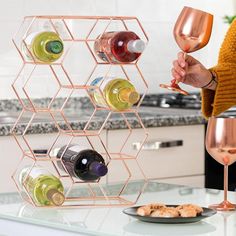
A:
[118,47]
[85,164]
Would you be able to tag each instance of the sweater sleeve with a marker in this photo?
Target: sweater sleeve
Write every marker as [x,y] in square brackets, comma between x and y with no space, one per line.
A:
[216,102]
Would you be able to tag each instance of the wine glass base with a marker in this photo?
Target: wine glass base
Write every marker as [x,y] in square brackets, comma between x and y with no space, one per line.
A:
[174,88]
[223,206]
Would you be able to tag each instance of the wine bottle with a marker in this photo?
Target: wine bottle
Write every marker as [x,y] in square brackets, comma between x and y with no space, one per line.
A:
[45,188]
[45,46]
[85,164]
[120,46]
[118,94]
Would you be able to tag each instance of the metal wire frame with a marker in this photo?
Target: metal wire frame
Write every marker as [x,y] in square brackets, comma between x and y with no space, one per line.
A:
[93,199]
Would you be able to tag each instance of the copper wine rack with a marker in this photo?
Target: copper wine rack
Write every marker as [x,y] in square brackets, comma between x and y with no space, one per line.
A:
[78,34]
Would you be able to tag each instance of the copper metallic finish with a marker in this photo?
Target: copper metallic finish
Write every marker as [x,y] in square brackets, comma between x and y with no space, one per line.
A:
[174,87]
[21,87]
[221,145]
[193,28]
[192,32]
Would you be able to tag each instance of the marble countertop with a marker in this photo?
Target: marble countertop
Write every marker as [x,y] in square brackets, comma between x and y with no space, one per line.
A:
[77,118]
[112,222]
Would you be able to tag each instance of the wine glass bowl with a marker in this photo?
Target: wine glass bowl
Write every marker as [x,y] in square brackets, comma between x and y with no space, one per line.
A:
[192,32]
[221,145]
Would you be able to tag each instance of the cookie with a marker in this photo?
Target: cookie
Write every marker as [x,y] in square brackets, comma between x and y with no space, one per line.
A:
[198,209]
[165,212]
[144,211]
[155,206]
[187,212]
[161,210]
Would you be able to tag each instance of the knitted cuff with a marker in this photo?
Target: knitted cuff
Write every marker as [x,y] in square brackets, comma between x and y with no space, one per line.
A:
[207,101]
[216,102]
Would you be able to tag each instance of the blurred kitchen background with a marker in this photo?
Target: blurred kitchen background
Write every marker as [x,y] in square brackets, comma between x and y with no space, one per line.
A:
[192,165]
[157,17]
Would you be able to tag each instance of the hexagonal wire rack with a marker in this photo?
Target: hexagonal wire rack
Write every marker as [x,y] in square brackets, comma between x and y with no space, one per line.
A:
[77,32]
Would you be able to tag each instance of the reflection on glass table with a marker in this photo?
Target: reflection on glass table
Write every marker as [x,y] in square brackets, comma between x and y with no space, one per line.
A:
[140,228]
[111,221]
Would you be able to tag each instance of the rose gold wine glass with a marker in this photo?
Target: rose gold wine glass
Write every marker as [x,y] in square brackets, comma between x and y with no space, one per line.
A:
[192,32]
[221,145]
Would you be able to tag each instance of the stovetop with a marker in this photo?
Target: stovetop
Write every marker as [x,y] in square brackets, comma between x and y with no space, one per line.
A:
[173,100]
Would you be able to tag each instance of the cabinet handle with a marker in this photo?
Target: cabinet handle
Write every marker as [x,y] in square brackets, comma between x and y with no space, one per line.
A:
[155,145]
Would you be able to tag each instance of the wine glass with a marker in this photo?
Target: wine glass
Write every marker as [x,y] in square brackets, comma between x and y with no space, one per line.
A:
[221,145]
[192,32]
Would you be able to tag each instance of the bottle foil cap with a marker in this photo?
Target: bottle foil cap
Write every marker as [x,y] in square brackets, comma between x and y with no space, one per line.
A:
[56,197]
[136,46]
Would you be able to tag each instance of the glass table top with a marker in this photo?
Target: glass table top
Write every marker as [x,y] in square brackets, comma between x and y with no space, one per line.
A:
[111,221]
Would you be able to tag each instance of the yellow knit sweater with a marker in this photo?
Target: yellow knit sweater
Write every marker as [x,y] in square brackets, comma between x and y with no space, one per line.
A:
[216,102]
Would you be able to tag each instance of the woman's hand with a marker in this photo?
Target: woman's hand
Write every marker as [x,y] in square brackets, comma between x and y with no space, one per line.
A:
[190,71]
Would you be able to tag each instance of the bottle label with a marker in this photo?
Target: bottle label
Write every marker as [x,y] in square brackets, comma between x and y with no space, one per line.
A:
[71,152]
[97,81]
[35,172]
[76,148]
[96,94]
[99,98]
[73,148]
[103,56]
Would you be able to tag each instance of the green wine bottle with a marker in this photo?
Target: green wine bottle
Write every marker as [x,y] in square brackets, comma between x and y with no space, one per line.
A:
[46,46]
[118,94]
[45,188]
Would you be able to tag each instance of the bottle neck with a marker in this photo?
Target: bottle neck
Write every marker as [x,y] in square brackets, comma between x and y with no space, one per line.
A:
[55,47]
[129,96]
[56,197]
[136,46]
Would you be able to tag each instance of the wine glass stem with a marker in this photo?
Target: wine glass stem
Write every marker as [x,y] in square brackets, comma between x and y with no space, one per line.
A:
[185,55]
[225,182]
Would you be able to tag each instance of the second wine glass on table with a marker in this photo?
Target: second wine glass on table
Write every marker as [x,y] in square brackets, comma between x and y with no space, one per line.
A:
[221,145]
[192,32]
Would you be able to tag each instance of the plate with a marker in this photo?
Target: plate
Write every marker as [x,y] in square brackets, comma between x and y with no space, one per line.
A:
[207,212]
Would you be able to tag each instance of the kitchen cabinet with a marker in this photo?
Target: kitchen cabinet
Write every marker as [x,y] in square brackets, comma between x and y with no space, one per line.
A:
[180,162]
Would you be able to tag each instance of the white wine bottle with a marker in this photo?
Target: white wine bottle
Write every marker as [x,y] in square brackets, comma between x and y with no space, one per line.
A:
[46,47]
[119,46]
[118,94]
[45,188]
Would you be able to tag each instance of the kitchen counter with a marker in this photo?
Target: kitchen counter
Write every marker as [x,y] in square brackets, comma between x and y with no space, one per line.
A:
[151,117]
[111,221]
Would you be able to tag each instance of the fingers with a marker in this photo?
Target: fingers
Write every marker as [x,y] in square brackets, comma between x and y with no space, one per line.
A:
[176,76]
[177,71]
[178,68]
[183,66]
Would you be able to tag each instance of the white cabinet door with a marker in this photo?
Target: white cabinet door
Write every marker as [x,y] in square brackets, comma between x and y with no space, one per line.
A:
[173,161]
[11,156]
